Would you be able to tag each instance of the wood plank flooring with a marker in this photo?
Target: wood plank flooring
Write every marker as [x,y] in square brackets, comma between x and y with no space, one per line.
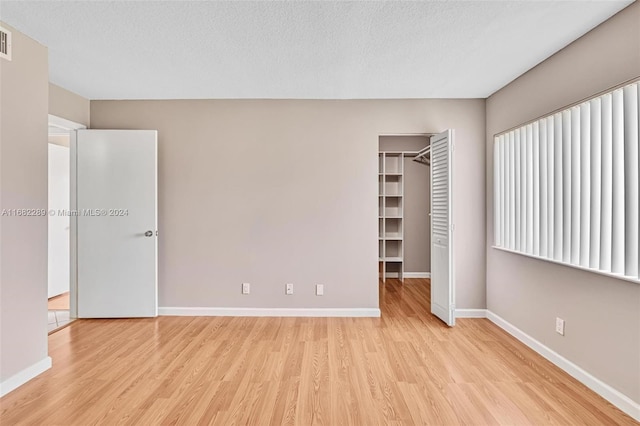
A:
[405,368]
[60,302]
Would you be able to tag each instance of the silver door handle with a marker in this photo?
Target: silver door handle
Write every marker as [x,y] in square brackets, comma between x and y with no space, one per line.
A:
[148,234]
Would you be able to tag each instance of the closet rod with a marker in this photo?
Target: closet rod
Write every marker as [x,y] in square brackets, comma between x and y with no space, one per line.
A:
[424,156]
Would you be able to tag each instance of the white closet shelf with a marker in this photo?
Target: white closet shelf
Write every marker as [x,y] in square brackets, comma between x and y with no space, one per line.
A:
[391,210]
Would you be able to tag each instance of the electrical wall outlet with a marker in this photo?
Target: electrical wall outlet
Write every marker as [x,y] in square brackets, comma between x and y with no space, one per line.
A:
[319,289]
[288,289]
[560,326]
[246,288]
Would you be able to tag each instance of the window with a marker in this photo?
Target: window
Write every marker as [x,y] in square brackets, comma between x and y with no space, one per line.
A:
[566,186]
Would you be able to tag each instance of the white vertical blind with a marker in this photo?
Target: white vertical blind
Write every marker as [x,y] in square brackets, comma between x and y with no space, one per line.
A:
[630,94]
[567,187]
[512,192]
[617,220]
[503,222]
[585,184]
[523,190]
[517,191]
[504,191]
[596,182]
[529,187]
[606,185]
[497,179]
[536,188]
[550,187]
[558,199]
[543,194]
[575,185]
[638,122]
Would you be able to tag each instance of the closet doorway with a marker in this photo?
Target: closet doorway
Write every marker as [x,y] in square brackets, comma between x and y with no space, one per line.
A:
[415,227]
[404,242]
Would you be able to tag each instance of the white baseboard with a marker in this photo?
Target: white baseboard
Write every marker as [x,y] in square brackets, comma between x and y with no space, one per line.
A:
[471,313]
[615,397]
[270,312]
[417,274]
[409,275]
[24,376]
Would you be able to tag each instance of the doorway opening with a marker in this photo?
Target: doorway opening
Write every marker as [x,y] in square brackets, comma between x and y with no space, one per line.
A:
[415,227]
[62,297]
[404,241]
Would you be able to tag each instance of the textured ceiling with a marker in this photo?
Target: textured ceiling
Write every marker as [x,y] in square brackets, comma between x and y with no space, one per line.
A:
[299,49]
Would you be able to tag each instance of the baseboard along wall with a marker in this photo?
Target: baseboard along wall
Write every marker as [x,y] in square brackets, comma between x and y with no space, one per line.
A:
[24,376]
[617,398]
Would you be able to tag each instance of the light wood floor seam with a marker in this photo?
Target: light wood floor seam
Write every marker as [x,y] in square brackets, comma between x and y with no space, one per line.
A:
[405,368]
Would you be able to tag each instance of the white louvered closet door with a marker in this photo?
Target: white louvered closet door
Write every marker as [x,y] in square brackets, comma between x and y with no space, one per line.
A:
[442,289]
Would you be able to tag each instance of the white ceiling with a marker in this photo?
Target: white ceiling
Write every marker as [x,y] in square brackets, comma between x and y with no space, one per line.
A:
[298,49]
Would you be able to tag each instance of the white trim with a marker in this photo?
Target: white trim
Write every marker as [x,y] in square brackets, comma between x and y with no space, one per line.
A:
[417,275]
[24,376]
[71,126]
[269,312]
[73,225]
[615,397]
[63,123]
[471,313]
[409,275]
[405,134]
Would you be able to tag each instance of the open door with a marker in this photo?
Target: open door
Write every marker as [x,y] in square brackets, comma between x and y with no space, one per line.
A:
[442,282]
[114,222]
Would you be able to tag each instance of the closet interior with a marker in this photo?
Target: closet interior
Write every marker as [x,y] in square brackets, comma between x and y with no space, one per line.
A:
[403,207]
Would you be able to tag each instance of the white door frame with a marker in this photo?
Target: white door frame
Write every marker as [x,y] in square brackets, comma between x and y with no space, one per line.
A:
[70,126]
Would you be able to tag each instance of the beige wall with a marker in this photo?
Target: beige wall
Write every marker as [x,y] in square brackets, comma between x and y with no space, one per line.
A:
[66,104]
[602,314]
[417,193]
[23,184]
[270,192]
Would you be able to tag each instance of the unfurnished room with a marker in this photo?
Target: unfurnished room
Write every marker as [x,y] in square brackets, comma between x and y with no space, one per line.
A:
[320,212]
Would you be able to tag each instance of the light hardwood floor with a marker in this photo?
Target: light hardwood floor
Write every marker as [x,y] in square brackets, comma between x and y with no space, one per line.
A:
[402,369]
[59,302]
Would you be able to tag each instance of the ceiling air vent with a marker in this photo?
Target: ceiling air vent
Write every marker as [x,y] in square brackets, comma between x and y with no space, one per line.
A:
[5,44]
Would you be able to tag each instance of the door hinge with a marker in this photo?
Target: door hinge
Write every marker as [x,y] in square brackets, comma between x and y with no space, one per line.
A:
[453,227]
[452,307]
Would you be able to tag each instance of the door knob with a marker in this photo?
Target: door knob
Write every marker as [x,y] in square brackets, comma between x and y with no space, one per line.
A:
[148,234]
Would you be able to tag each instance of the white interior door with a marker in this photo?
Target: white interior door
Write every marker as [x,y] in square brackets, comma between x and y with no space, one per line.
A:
[442,283]
[58,259]
[114,232]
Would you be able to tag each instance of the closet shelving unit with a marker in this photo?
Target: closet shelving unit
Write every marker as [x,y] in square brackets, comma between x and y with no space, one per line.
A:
[391,212]
[391,208]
